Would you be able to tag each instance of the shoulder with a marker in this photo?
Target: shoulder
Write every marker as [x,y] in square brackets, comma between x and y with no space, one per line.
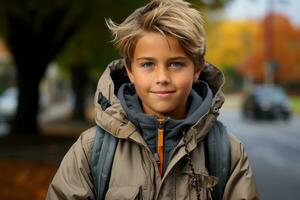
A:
[238,153]
[241,183]
[74,171]
[234,141]
[84,143]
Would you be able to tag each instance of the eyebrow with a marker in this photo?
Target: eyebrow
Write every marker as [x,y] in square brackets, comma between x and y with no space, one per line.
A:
[174,58]
[179,58]
[145,58]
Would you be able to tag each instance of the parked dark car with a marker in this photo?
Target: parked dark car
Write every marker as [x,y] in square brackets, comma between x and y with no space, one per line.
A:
[266,102]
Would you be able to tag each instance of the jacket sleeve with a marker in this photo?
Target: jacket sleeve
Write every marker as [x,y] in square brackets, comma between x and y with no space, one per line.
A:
[73,178]
[241,184]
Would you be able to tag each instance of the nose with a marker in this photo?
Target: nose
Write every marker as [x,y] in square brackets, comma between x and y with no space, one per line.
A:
[162,75]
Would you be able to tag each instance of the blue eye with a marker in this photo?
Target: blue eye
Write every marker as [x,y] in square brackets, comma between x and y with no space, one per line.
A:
[176,64]
[147,65]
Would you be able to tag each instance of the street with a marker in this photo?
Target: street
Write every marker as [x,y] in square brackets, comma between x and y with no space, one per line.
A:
[274,152]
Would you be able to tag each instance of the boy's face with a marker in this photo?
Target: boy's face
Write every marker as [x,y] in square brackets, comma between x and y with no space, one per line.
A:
[163,75]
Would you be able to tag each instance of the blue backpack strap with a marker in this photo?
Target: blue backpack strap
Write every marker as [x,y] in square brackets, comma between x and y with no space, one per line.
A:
[217,148]
[101,161]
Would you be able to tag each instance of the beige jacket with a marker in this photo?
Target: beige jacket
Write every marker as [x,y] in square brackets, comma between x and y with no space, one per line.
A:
[135,174]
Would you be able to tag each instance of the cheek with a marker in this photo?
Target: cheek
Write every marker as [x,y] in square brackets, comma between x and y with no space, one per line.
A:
[141,85]
[185,84]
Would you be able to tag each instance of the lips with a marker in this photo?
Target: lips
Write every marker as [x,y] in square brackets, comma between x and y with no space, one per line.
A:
[163,93]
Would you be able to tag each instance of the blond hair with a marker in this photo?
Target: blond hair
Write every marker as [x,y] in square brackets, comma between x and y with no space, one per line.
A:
[170,18]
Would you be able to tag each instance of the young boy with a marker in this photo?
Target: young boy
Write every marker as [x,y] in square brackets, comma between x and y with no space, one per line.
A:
[160,102]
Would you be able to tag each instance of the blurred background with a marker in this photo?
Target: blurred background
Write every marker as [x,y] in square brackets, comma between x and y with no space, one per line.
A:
[53,52]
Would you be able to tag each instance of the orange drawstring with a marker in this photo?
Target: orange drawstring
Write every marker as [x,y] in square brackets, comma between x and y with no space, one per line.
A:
[160,147]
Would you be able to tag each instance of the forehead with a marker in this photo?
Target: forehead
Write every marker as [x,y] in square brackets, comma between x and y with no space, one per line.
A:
[157,45]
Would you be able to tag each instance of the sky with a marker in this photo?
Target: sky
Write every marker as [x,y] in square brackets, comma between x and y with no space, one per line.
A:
[256,9]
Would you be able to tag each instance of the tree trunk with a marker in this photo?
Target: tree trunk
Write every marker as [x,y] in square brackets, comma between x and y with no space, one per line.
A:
[79,79]
[35,38]
[28,80]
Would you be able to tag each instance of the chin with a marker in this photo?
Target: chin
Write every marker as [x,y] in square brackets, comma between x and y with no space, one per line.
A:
[165,113]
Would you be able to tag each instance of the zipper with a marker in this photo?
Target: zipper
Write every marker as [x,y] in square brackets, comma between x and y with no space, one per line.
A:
[177,147]
[153,163]
[160,145]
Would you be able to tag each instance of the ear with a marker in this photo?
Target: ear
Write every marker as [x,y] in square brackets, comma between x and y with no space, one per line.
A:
[129,73]
[197,74]
[199,69]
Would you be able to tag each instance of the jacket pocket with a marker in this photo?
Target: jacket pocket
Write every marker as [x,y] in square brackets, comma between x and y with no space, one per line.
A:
[124,193]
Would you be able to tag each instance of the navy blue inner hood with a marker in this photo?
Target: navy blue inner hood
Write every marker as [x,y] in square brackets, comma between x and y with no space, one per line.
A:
[198,103]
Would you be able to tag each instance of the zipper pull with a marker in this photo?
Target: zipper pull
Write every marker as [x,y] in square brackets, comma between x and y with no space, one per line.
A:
[156,158]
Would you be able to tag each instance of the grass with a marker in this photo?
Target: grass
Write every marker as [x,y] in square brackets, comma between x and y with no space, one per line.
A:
[295,104]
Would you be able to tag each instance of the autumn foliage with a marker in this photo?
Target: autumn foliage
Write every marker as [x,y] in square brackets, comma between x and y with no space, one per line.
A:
[248,45]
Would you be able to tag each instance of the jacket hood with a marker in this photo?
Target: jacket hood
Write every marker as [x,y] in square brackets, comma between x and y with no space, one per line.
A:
[110,115]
